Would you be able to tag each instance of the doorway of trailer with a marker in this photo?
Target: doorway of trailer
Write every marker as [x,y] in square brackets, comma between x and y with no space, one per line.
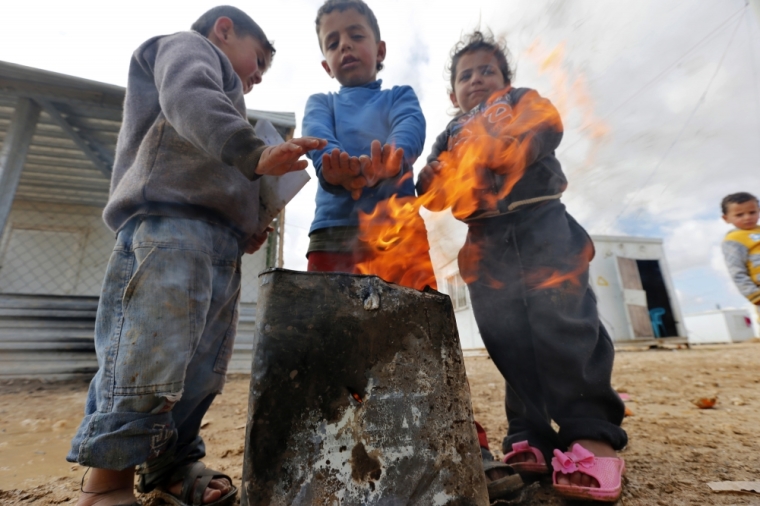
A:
[647,299]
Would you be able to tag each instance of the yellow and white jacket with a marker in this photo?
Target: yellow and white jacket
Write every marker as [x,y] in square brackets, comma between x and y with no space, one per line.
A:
[741,249]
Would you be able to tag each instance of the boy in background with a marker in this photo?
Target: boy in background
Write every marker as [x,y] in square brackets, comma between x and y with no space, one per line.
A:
[184,201]
[373,135]
[741,246]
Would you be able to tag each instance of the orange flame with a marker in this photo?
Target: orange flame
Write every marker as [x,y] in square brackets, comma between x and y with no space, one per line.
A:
[494,142]
[396,245]
[488,158]
[551,278]
[570,94]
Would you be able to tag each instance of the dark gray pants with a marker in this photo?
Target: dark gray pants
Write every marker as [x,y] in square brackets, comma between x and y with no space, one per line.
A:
[547,342]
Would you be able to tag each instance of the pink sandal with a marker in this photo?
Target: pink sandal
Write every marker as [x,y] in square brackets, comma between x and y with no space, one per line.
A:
[607,471]
[527,468]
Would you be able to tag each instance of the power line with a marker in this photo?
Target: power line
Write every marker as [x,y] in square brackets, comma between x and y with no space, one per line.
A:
[661,74]
[672,65]
[683,129]
[753,64]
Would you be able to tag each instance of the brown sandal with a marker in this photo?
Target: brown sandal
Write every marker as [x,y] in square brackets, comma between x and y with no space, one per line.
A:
[195,478]
[504,487]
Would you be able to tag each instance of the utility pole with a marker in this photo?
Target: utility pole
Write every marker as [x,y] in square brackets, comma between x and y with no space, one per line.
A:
[281,240]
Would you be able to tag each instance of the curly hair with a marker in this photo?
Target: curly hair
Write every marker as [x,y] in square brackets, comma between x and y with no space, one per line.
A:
[479,41]
[360,7]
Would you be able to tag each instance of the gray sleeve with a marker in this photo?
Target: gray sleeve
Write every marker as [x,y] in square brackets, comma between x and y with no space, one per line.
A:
[191,86]
[736,256]
[440,145]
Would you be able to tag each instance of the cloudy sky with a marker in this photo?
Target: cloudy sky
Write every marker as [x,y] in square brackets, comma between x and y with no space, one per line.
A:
[660,98]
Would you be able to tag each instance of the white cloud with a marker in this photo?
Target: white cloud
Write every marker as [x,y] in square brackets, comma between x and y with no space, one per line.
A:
[694,243]
[642,82]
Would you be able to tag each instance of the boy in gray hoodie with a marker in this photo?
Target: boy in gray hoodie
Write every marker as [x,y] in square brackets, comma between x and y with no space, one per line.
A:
[184,203]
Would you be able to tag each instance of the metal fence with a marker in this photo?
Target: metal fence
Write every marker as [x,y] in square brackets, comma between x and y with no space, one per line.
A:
[54,249]
[63,250]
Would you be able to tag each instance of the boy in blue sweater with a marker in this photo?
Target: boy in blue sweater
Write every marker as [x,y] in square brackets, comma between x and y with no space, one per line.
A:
[373,135]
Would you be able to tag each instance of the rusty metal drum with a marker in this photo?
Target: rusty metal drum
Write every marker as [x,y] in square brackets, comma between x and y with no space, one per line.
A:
[358,397]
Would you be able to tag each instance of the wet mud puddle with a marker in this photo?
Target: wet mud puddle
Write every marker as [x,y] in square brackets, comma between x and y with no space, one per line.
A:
[36,445]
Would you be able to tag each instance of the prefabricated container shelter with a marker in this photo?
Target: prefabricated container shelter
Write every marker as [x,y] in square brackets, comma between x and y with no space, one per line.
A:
[629,275]
[719,326]
[58,135]
[634,289]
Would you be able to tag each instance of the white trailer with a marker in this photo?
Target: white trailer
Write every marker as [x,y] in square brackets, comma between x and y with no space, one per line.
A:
[635,292]
[629,275]
[719,326]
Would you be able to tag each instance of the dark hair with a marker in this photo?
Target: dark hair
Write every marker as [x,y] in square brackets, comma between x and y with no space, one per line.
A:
[736,198]
[479,41]
[360,7]
[241,23]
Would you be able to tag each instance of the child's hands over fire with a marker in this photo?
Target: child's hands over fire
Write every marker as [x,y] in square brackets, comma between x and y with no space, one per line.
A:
[341,169]
[384,163]
[283,158]
[354,173]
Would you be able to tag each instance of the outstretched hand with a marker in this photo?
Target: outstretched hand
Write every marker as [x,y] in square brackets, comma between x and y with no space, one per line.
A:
[257,241]
[384,163]
[340,169]
[354,173]
[283,158]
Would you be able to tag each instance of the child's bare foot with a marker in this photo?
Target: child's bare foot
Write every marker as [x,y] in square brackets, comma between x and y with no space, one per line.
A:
[215,490]
[107,488]
[577,479]
[498,473]
[522,457]
[501,478]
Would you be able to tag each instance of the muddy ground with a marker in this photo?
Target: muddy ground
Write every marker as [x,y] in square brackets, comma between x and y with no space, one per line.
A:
[675,447]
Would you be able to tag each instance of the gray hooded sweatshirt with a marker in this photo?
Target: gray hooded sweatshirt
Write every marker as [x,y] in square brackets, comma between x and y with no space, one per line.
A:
[185,148]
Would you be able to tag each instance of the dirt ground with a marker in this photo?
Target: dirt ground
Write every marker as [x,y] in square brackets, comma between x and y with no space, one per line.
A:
[675,448]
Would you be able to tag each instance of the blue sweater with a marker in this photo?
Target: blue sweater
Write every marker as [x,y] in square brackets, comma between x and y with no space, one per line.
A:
[350,120]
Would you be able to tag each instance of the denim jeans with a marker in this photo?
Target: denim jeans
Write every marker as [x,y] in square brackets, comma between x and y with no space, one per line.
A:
[164,332]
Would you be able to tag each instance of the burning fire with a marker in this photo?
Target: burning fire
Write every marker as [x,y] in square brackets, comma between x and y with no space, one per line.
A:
[395,239]
[571,96]
[495,142]
[550,278]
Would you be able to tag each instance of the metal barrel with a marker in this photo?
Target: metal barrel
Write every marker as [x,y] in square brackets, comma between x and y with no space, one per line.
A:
[358,397]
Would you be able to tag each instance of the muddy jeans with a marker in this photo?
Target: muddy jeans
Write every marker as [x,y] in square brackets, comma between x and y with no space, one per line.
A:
[165,328]
[547,342]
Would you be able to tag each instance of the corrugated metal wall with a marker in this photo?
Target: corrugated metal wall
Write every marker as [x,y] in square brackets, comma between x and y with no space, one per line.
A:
[47,337]
[52,262]
[54,247]
[51,338]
